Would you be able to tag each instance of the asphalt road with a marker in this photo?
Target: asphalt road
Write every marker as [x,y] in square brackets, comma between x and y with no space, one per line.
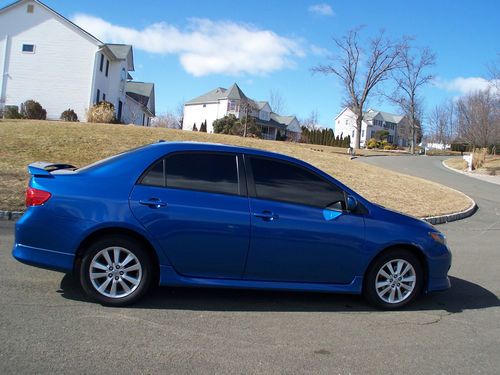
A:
[47,326]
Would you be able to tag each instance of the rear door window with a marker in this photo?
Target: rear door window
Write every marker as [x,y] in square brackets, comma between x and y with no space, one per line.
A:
[203,171]
[283,181]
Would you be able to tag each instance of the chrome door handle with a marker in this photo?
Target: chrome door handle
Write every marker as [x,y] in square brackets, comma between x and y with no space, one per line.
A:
[153,203]
[266,215]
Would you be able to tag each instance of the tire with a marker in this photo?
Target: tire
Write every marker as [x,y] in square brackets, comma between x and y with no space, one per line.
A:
[111,282]
[382,291]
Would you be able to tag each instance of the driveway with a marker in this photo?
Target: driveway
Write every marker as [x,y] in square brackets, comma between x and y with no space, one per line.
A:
[47,326]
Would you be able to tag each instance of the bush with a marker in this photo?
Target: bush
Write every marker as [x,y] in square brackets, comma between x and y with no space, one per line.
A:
[101,112]
[461,147]
[69,115]
[33,110]
[372,143]
[11,112]
[478,157]
[231,125]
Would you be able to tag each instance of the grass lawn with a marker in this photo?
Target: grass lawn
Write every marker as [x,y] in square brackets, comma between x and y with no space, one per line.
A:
[23,142]
[456,163]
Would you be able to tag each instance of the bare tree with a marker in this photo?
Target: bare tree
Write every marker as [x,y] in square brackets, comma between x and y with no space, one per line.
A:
[410,77]
[494,75]
[179,112]
[478,118]
[167,120]
[277,102]
[311,121]
[361,69]
[247,107]
[441,121]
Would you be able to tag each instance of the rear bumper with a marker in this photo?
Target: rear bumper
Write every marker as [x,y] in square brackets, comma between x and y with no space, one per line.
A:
[43,258]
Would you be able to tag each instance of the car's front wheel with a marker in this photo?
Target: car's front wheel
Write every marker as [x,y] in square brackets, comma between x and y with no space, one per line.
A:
[115,271]
[394,279]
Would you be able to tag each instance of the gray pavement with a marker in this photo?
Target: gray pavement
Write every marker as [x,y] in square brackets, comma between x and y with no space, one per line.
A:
[47,326]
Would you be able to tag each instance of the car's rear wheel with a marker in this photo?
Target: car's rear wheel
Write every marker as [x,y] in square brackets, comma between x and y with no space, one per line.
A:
[115,271]
[394,280]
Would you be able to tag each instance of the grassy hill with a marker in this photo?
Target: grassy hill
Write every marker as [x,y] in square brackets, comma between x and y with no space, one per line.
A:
[23,142]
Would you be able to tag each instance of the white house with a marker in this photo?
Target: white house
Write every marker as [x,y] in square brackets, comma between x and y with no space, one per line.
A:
[220,102]
[47,58]
[373,121]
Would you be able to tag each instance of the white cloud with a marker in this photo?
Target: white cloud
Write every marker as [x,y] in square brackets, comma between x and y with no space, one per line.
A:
[464,85]
[322,9]
[204,46]
[319,51]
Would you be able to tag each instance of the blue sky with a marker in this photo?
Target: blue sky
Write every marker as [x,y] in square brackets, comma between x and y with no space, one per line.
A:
[189,47]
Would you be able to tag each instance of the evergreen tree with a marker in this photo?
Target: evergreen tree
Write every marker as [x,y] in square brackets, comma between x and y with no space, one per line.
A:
[203,127]
[195,129]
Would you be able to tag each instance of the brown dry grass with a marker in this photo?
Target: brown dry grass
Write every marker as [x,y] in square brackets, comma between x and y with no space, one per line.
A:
[22,142]
[490,165]
[456,163]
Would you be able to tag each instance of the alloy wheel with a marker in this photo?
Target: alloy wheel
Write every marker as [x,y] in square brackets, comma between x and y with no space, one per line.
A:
[115,272]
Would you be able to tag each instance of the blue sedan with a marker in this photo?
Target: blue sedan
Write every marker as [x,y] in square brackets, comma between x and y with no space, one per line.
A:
[209,215]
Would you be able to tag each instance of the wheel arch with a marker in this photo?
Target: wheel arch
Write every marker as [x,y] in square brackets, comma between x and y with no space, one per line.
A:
[108,231]
[403,246]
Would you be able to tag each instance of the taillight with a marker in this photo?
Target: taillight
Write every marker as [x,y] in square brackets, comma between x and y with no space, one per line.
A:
[36,197]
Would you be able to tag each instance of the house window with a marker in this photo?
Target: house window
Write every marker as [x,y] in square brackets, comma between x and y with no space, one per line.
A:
[231,105]
[30,8]
[102,62]
[103,97]
[347,122]
[204,105]
[353,133]
[98,96]
[107,67]
[28,48]
[362,133]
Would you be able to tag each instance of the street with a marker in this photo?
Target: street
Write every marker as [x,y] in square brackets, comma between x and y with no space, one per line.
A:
[47,325]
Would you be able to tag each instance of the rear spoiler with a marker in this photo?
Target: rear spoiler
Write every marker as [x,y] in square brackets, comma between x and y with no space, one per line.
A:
[43,169]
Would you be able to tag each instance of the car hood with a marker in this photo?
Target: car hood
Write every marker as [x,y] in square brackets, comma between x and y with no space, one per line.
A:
[396,216]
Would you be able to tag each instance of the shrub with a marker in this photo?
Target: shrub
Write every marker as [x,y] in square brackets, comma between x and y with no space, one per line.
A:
[388,146]
[69,115]
[11,112]
[33,110]
[195,129]
[478,157]
[101,112]
[372,143]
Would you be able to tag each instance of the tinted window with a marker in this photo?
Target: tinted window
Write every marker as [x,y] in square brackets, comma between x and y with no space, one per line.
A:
[286,182]
[155,176]
[210,172]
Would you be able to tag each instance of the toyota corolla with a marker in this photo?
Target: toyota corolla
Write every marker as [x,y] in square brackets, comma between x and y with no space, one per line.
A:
[209,215]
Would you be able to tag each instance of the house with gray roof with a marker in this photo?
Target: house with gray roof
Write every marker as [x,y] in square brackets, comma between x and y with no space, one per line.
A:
[47,58]
[373,121]
[221,102]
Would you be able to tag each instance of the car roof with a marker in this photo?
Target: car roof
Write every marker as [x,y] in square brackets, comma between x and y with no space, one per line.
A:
[206,146]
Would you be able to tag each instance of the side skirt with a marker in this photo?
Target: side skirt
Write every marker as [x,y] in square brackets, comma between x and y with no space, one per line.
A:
[168,277]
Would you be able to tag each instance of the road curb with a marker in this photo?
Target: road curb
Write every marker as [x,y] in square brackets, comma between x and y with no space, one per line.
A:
[10,215]
[442,219]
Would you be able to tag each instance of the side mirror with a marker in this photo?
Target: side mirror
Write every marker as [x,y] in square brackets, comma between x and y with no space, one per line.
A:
[352,203]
